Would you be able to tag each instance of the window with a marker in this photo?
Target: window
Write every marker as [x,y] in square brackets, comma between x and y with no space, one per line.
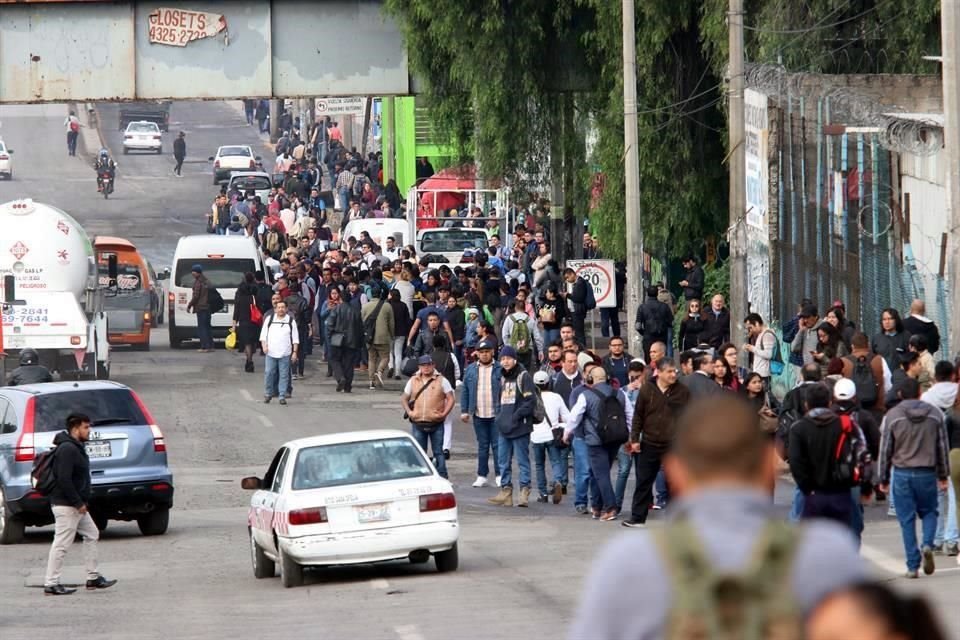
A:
[272,469]
[143,127]
[235,151]
[251,183]
[278,477]
[226,273]
[128,276]
[115,405]
[358,462]
[8,418]
[453,241]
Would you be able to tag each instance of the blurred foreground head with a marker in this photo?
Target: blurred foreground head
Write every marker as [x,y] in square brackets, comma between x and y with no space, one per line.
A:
[719,443]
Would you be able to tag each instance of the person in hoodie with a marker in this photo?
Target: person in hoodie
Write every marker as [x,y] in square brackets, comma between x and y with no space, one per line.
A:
[514,424]
[914,444]
[943,395]
[812,442]
[919,324]
[846,403]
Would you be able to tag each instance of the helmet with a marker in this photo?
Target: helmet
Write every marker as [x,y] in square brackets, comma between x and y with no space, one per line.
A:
[104,153]
[29,356]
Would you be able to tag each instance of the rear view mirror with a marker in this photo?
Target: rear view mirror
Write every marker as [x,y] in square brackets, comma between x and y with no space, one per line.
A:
[251,483]
[210,158]
[9,150]
[164,275]
[112,269]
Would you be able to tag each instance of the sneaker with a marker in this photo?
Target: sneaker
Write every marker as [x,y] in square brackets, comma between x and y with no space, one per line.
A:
[498,480]
[607,516]
[446,454]
[655,507]
[100,583]
[938,549]
[295,376]
[581,509]
[266,399]
[891,513]
[634,524]
[953,549]
[372,387]
[58,590]
[396,377]
[283,401]
[929,566]
[379,378]
[557,493]
[595,513]
[479,482]
[543,498]
[911,574]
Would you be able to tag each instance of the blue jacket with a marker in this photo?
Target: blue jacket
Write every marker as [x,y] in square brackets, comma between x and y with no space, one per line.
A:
[790,330]
[468,392]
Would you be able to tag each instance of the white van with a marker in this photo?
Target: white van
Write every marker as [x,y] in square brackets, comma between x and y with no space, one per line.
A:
[379,229]
[224,260]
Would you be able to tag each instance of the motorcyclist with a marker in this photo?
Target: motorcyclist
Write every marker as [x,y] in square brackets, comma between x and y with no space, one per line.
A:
[30,370]
[104,165]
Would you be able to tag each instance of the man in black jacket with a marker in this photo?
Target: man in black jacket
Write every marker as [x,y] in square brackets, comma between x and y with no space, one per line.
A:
[813,442]
[179,153]
[30,370]
[69,498]
[576,303]
[716,323]
[693,282]
[918,323]
[654,320]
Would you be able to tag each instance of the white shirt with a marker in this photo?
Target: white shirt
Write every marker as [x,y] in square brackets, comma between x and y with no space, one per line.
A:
[392,254]
[556,411]
[273,264]
[280,334]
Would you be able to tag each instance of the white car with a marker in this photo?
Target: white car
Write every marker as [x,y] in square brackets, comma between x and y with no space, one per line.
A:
[142,136]
[229,158]
[260,182]
[6,161]
[350,498]
[451,243]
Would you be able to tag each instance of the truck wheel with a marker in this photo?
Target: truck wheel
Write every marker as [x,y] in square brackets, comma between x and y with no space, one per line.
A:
[11,527]
[154,523]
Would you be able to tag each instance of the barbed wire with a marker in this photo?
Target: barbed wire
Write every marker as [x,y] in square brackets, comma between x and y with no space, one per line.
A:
[896,132]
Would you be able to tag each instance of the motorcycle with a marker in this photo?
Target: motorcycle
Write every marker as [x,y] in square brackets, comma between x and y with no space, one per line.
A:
[105,178]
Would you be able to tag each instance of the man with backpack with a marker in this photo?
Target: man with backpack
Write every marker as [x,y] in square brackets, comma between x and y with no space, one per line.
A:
[377,316]
[865,368]
[280,341]
[600,419]
[668,585]
[520,332]
[654,320]
[200,304]
[69,495]
[914,442]
[299,308]
[764,349]
[514,422]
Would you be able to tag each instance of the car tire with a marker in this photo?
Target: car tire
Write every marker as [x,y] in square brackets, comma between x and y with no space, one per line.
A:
[126,151]
[11,527]
[291,573]
[159,151]
[154,523]
[447,560]
[101,520]
[263,567]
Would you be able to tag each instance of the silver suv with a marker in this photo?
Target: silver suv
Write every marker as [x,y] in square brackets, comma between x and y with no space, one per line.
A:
[130,479]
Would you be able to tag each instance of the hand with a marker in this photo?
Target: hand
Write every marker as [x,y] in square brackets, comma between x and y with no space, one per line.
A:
[464,417]
[634,447]
[942,484]
[293,356]
[83,509]
[566,437]
[748,347]
[884,487]
[684,283]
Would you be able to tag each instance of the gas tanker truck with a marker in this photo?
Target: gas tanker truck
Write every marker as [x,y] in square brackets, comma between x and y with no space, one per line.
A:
[51,295]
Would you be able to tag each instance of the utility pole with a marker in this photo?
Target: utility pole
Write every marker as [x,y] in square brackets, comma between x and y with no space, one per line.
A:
[631,175]
[950,36]
[738,303]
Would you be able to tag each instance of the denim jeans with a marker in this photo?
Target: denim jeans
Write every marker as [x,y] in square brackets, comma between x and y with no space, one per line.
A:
[344,198]
[204,329]
[947,520]
[542,452]
[609,322]
[624,462]
[564,468]
[916,495]
[856,515]
[276,375]
[834,506]
[550,336]
[662,489]
[487,439]
[601,459]
[582,476]
[507,447]
[435,439]
[796,509]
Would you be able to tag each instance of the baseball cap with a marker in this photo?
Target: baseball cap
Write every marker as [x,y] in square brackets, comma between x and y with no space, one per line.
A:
[541,377]
[508,351]
[197,268]
[424,360]
[844,389]
[485,344]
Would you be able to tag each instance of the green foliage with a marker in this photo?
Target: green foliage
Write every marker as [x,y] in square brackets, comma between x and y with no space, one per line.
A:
[716,279]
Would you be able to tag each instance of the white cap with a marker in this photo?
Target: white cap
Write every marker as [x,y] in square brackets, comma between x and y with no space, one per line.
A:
[541,377]
[844,389]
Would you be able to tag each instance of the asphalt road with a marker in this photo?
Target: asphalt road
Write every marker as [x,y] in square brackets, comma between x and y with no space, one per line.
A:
[521,570]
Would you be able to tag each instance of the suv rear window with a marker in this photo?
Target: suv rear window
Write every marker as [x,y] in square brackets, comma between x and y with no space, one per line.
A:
[358,462]
[116,405]
[254,183]
[223,273]
[453,240]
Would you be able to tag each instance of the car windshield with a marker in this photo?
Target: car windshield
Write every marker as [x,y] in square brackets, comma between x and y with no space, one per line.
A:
[224,274]
[453,240]
[235,151]
[256,183]
[142,127]
[335,465]
[117,406]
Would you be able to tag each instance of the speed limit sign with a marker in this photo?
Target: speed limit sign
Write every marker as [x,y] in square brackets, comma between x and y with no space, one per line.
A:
[600,274]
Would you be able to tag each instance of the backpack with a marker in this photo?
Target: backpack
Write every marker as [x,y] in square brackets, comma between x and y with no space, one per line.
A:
[612,425]
[653,322]
[776,363]
[590,302]
[862,376]
[756,603]
[300,309]
[273,241]
[520,335]
[539,411]
[215,300]
[43,478]
[370,324]
[848,455]
[74,126]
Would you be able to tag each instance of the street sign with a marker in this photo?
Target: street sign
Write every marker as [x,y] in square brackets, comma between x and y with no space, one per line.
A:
[600,274]
[339,106]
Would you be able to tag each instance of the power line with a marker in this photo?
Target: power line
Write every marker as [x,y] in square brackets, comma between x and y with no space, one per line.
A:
[815,27]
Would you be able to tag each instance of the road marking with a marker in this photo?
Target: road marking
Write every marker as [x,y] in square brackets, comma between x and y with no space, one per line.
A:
[379,583]
[246,395]
[408,632]
[267,422]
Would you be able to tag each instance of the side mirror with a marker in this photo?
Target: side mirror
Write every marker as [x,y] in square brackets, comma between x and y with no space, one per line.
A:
[164,275]
[251,483]
[210,158]
[9,150]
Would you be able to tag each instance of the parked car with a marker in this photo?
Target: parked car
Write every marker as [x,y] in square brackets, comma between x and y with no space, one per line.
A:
[130,479]
[6,161]
[350,498]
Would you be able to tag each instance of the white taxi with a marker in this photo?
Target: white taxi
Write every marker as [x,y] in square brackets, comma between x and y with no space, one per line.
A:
[350,498]
[6,162]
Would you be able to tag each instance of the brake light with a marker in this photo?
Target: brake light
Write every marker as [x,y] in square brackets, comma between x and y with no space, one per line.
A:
[146,316]
[171,298]
[127,137]
[25,450]
[159,443]
[216,164]
[75,340]
[316,515]
[161,486]
[437,502]
[156,137]
[4,156]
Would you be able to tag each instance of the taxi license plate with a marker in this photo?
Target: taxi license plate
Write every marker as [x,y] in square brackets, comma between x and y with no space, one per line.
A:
[99,449]
[373,512]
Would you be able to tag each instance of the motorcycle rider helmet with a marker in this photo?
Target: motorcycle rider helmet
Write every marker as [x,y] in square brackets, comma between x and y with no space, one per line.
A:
[104,154]
[29,356]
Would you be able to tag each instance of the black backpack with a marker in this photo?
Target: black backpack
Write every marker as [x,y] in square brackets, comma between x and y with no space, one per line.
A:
[850,454]
[653,322]
[590,302]
[215,300]
[862,376]
[42,477]
[612,427]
